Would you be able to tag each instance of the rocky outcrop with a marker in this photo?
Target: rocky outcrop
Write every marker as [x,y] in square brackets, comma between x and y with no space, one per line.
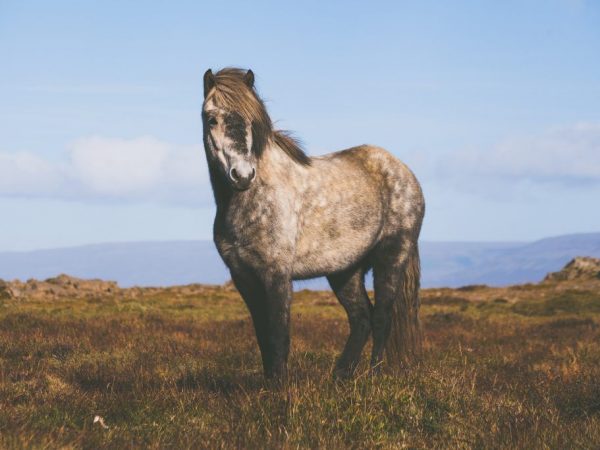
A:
[62,286]
[68,287]
[580,268]
[70,283]
[5,291]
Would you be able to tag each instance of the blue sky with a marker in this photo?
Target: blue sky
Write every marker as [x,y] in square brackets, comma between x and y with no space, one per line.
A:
[495,105]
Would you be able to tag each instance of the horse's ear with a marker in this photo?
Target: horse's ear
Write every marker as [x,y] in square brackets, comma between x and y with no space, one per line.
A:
[249,79]
[209,82]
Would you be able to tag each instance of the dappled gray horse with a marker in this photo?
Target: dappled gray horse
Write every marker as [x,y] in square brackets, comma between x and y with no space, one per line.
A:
[283,216]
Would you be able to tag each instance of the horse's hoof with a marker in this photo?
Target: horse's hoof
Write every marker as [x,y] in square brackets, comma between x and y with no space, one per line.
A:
[343,374]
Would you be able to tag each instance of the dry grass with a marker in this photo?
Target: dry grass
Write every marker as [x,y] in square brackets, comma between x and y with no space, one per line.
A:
[505,368]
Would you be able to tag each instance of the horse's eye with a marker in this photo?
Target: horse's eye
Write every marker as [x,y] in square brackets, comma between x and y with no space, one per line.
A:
[211,122]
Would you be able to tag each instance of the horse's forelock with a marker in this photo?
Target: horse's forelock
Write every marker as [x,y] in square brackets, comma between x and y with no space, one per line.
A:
[232,93]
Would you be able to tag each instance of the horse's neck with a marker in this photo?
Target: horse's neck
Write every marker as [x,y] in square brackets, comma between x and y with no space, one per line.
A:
[276,168]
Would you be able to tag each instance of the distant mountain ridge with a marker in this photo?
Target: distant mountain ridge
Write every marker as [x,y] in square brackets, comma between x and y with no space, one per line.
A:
[171,263]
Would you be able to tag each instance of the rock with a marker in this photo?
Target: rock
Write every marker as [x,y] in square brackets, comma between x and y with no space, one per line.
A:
[5,291]
[63,280]
[581,267]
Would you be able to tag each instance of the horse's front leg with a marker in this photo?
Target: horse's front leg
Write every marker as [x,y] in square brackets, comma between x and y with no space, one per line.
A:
[252,291]
[278,296]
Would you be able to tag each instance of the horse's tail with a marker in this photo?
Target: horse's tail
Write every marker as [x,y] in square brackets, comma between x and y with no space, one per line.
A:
[404,344]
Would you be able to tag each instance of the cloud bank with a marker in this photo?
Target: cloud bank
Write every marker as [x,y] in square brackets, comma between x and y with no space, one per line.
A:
[568,156]
[102,168]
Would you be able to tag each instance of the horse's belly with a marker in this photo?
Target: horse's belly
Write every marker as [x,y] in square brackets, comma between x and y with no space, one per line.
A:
[324,256]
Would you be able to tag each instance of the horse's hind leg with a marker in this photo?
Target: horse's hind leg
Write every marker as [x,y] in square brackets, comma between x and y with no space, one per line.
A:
[389,263]
[349,288]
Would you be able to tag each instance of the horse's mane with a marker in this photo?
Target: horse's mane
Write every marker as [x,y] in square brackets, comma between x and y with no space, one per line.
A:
[231,92]
[290,145]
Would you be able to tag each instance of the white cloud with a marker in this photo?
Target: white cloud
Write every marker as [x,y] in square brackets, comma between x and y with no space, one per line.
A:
[23,173]
[118,166]
[149,169]
[142,169]
[564,156]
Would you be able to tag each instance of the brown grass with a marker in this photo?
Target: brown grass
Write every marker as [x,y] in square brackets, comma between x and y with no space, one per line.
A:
[172,370]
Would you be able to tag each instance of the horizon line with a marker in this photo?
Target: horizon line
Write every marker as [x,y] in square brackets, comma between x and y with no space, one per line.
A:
[172,241]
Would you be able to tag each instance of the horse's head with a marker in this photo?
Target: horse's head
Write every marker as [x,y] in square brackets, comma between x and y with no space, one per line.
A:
[236,125]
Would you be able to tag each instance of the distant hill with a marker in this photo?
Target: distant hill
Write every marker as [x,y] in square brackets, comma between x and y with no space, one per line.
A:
[137,263]
[183,262]
[512,263]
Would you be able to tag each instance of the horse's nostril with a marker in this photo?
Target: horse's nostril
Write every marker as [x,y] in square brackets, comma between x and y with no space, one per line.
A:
[240,180]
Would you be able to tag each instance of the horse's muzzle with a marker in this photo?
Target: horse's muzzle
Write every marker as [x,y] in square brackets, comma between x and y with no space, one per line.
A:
[239,180]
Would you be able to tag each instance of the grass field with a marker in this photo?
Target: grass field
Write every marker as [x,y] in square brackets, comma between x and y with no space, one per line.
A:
[503,368]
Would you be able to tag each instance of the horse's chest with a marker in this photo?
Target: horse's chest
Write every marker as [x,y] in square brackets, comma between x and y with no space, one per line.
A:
[256,236]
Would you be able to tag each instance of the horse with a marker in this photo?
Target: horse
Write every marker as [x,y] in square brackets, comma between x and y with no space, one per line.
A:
[282,216]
